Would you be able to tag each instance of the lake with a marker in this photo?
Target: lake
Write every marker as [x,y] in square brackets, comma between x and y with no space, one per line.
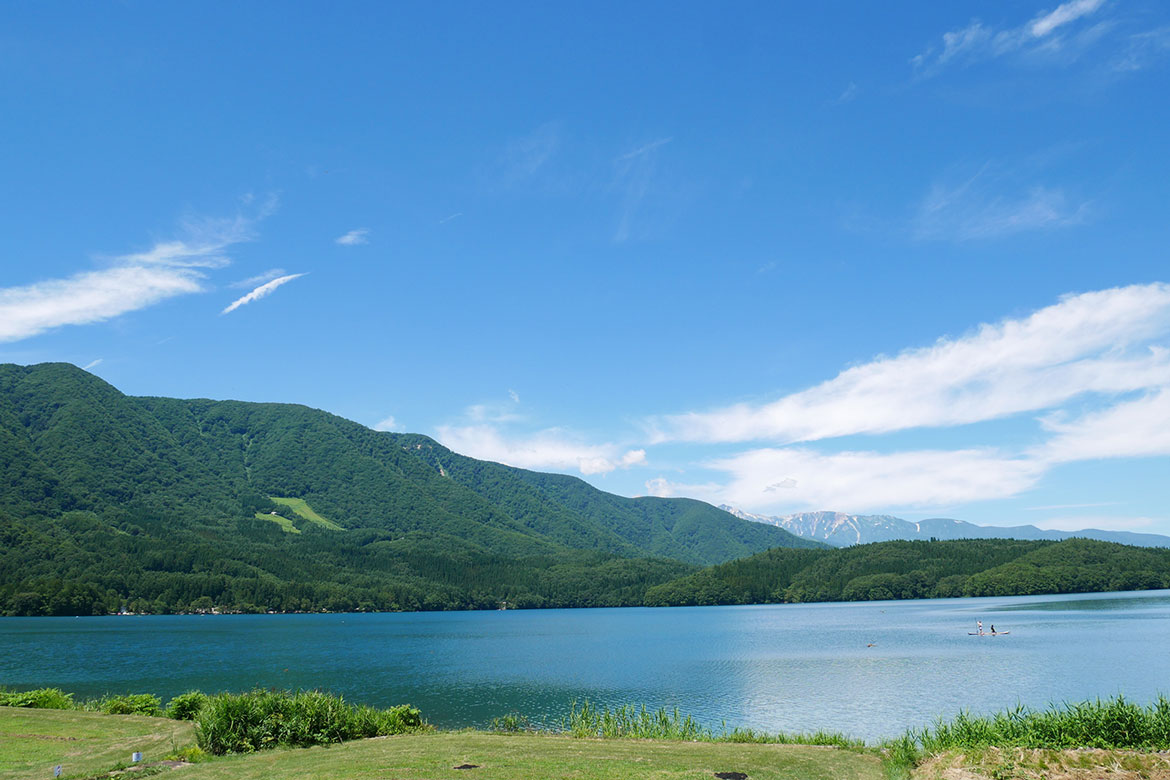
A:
[792,667]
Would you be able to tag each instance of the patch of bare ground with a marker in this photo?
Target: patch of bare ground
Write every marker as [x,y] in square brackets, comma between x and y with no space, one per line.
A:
[1024,764]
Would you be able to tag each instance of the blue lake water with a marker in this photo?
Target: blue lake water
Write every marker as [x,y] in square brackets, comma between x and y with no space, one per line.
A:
[794,667]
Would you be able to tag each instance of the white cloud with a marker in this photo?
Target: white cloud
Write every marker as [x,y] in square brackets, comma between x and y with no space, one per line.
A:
[354,237]
[134,280]
[860,481]
[552,448]
[1095,342]
[92,364]
[1137,428]
[89,297]
[1044,35]
[260,292]
[388,424]
[1068,12]
[514,396]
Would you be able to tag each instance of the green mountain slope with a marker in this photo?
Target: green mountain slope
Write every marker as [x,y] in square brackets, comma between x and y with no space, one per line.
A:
[164,502]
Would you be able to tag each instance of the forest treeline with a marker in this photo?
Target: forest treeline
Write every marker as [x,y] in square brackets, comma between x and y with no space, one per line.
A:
[921,569]
[109,502]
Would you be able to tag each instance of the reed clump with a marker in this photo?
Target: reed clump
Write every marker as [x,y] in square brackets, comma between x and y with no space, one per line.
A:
[1107,724]
[260,719]
[630,722]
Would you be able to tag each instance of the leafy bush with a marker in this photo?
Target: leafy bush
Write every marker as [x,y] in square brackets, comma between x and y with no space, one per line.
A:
[187,705]
[130,704]
[256,720]
[41,698]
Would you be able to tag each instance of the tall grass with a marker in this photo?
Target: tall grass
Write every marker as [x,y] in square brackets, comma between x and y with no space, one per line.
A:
[587,720]
[1111,724]
[256,720]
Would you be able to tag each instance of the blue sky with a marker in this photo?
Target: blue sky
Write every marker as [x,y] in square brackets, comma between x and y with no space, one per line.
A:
[886,259]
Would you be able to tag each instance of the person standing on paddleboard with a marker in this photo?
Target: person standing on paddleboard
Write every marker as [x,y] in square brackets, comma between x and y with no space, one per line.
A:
[979,623]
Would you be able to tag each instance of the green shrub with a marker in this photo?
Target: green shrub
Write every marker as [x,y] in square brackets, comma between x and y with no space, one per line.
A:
[192,754]
[130,704]
[187,705]
[41,698]
[257,720]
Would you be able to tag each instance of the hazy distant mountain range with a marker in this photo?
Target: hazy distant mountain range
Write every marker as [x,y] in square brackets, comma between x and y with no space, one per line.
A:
[843,530]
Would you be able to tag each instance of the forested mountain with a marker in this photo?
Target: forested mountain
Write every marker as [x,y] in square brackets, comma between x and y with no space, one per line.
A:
[162,504]
[841,529]
[921,569]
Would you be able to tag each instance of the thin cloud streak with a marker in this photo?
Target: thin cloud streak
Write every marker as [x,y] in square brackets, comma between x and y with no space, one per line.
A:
[262,291]
[975,209]
[1044,35]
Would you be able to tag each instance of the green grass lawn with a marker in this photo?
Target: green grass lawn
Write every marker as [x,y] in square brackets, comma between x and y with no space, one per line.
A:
[302,508]
[283,522]
[539,757]
[32,742]
[86,744]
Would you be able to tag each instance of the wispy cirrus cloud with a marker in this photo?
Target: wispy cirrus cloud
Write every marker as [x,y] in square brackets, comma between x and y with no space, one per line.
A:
[133,280]
[1053,34]
[354,237]
[990,204]
[262,291]
[1097,342]
[634,175]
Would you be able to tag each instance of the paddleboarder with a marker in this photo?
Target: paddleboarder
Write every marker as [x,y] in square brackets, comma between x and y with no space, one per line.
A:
[979,623]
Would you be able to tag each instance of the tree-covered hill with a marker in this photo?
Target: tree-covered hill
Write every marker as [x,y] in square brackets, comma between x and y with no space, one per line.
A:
[108,500]
[921,569]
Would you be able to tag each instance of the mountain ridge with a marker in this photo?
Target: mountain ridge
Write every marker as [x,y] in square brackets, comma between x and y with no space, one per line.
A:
[842,529]
[167,501]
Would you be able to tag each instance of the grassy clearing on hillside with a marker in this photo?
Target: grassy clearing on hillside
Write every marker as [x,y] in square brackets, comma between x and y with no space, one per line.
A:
[302,508]
[33,741]
[283,522]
